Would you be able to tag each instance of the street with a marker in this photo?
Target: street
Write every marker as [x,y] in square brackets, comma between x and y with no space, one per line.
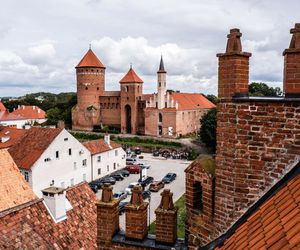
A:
[159,168]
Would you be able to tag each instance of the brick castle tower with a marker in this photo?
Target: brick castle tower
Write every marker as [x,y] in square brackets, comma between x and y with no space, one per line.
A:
[90,74]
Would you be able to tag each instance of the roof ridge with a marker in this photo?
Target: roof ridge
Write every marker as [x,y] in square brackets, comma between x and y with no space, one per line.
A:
[279,185]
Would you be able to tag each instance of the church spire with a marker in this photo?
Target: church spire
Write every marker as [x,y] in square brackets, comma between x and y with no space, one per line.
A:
[161,66]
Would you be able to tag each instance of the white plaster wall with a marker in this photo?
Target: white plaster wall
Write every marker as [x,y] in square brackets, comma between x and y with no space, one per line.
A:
[21,123]
[61,169]
[108,159]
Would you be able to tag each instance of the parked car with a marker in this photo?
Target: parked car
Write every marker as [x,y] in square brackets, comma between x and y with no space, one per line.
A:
[156,186]
[133,169]
[146,194]
[124,172]
[146,181]
[137,151]
[169,178]
[122,207]
[130,161]
[108,180]
[128,190]
[120,195]
[155,153]
[118,176]
[97,183]
[144,165]
[94,187]
[141,157]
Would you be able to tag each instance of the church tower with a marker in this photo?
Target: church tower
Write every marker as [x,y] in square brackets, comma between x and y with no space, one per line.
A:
[90,74]
[161,85]
[131,94]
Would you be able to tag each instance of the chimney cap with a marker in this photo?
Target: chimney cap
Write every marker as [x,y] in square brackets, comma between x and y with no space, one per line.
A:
[53,190]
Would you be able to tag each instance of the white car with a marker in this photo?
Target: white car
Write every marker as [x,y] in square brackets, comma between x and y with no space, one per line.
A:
[144,165]
[128,190]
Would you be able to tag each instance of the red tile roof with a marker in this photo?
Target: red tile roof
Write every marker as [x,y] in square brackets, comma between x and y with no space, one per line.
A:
[13,135]
[6,116]
[2,107]
[188,101]
[29,112]
[31,146]
[30,226]
[14,189]
[99,146]
[146,97]
[274,225]
[131,77]
[90,60]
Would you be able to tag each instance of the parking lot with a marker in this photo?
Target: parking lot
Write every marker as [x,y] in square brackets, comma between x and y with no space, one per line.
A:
[159,168]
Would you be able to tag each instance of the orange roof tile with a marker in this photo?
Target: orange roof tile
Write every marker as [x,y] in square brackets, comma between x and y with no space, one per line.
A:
[30,112]
[31,146]
[275,224]
[188,101]
[90,60]
[14,189]
[131,77]
[99,146]
[2,107]
[6,116]
[30,226]
[10,136]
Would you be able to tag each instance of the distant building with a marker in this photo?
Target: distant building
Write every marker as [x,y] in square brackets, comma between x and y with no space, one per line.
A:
[164,114]
[106,157]
[23,115]
[51,157]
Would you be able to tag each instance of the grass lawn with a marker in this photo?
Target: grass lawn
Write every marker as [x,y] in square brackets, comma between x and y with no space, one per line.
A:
[180,203]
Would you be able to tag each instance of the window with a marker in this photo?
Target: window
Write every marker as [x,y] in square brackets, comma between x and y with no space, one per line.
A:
[66,139]
[126,88]
[70,151]
[26,176]
[107,168]
[57,154]
[116,152]
[62,184]
[115,166]
[75,165]
[156,104]
[72,182]
[84,177]
[47,159]
[86,88]
[159,84]
[159,117]
[99,171]
[166,104]
[99,158]
[84,163]
[197,196]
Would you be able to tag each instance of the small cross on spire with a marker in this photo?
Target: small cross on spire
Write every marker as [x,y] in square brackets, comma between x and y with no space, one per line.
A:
[90,46]
[130,65]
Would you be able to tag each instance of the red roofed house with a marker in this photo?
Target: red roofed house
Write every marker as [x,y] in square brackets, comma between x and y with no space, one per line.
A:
[10,136]
[164,114]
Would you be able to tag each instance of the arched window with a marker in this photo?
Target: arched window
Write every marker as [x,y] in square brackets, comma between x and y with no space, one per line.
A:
[159,117]
[197,196]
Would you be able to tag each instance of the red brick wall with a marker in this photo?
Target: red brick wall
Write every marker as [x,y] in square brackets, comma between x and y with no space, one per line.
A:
[110,113]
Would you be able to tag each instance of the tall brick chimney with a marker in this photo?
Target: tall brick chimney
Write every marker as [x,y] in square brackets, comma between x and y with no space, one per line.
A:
[233,68]
[136,216]
[291,74]
[166,219]
[107,218]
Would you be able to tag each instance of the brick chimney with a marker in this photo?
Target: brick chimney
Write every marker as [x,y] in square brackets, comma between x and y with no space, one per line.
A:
[166,219]
[233,68]
[107,218]
[291,74]
[136,216]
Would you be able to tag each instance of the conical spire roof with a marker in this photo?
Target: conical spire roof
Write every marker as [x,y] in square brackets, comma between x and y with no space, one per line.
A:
[161,66]
[90,60]
[131,77]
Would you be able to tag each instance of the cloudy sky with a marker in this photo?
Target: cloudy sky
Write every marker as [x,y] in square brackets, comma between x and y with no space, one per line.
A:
[42,41]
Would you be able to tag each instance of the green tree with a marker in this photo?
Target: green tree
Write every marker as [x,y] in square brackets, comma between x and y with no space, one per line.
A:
[262,89]
[53,116]
[208,128]
[212,98]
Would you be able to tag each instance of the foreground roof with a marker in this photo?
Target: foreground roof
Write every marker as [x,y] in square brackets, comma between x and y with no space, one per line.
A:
[30,112]
[188,101]
[90,60]
[131,77]
[30,226]
[31,146]
[273,222]
[13,135]
[100,146]
[14,190]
